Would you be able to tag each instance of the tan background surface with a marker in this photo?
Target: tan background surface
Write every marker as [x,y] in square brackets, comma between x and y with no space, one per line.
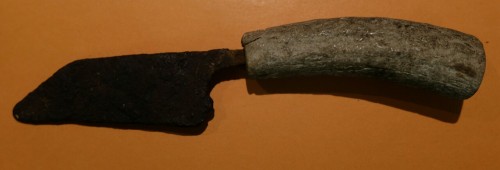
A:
[317,123]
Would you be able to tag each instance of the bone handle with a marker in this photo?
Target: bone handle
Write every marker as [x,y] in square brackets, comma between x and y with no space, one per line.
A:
[442,60]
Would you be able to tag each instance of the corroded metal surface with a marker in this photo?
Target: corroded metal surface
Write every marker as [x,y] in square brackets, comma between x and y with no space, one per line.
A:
[415,54]
[168,88]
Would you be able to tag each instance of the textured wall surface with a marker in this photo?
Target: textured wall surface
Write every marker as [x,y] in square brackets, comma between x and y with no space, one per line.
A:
[294,123]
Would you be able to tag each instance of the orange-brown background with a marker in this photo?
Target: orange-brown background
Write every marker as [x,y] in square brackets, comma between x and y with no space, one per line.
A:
[309,123]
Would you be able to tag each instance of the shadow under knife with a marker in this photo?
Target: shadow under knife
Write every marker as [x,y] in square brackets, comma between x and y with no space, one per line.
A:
[379,91]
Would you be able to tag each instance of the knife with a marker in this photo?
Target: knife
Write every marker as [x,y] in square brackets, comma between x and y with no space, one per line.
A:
[173,88]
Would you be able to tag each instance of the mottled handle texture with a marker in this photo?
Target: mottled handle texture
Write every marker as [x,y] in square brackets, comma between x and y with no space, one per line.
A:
[442,60]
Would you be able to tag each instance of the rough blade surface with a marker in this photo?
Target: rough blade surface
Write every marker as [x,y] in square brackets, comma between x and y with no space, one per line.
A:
[168,88]
[442,60]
